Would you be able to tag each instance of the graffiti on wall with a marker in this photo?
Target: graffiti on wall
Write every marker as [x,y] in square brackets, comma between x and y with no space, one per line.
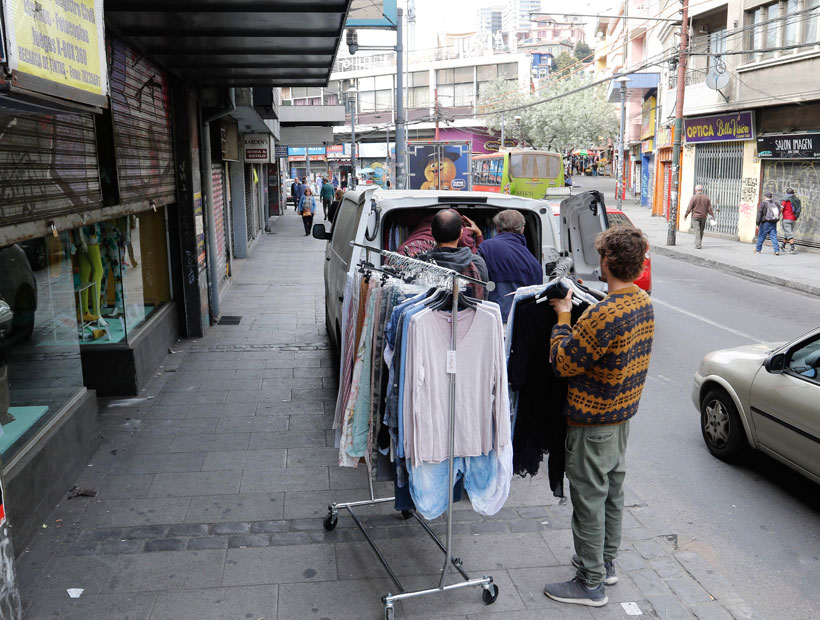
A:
[748,190]
[804,178]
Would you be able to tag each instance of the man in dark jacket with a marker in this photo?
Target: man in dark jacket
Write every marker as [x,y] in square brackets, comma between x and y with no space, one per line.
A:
[768,214]
[509,263]
[447,228]
[700,207]
[300,191]
[326,195]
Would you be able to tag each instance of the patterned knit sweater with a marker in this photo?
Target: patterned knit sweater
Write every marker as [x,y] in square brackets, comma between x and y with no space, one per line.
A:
[605,356]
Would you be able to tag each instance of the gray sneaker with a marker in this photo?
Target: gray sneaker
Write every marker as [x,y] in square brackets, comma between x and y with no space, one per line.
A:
[611,578]
[575,591]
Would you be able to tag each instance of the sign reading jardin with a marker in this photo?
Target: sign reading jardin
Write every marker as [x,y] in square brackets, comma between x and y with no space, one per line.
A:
[58,43]
[720,128]
[789,146]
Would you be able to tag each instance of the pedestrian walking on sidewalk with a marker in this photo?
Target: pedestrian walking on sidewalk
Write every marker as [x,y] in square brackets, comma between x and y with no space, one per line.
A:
[768,214]
[300,191]
[327,196]
[791,212]
[700,207]
[334,206]
[307,207]
[605,357]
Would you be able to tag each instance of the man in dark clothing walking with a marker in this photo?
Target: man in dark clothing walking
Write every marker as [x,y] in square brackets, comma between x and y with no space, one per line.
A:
[447,228]
[509,263]
[300,191]
[326,194]
[605,357]
[700,207]
[791,211]
[768,214]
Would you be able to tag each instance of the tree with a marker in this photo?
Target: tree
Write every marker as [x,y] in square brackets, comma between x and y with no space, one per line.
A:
[580,119]
[583,52]
[564,61]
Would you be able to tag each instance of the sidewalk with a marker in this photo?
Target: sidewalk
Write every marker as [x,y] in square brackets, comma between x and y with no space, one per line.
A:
[212,487]
[794,271]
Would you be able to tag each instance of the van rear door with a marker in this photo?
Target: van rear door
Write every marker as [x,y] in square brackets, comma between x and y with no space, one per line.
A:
[583,217]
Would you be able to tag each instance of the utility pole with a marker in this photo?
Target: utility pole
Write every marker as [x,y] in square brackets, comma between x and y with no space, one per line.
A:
[401,140]
[351,98]
[435,108]
[518,141]
[387,152]
[619,175]
[673,207]
[502,131]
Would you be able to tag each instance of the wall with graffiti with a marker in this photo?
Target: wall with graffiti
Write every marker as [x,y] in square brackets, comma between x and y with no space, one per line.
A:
[804,178]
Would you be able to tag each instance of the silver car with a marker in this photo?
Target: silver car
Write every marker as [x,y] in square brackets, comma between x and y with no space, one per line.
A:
[766,396]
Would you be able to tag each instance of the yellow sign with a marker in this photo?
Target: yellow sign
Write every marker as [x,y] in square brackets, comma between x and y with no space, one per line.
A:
[648,118]
[60,41]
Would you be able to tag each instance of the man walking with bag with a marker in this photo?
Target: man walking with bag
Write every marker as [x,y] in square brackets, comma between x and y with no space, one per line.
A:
[700,207]
[791,212]
[768,214]
[605,356]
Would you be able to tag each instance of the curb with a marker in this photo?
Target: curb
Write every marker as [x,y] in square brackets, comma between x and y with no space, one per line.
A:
[741,271]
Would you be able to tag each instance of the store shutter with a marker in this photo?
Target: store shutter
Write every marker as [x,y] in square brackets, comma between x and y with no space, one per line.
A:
[719,167]
[667,188]
[249,210]
[48,167]
[141,117]
[217,175]
[804,178]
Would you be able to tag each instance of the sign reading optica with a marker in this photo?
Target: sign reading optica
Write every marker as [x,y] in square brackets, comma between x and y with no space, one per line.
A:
[719,128]
[60,41]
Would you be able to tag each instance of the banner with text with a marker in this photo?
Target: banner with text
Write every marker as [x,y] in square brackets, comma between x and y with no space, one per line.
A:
[60,41]
[720,128]
[789,146]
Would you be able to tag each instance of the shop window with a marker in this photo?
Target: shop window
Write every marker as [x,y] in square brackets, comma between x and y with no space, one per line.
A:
[40,368]
[486,73]
[444,76]
[419,78]
[120,275]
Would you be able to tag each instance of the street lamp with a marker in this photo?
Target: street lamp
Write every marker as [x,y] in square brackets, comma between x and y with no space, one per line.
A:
[350,93]
[619,182]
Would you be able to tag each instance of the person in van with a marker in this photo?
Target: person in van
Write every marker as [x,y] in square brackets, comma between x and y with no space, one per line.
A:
[307,207]
[510,264]
[447,228]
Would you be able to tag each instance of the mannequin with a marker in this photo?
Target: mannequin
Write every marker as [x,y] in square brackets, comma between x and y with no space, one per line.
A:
[115,234]
[89,261]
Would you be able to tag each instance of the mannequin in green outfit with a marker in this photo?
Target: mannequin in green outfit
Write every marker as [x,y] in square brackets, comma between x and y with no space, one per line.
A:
[89,261]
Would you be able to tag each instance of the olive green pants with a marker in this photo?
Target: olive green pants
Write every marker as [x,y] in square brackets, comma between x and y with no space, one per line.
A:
[596,466]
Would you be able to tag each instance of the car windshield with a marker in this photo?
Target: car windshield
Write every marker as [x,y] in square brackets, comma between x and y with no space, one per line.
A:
[617,220]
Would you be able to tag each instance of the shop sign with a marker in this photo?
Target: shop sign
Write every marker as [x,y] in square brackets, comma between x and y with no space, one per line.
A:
[646,146]
[665,137]
[648,118]
[336,148]
[281,150]
[256,147]
[300,150]
[789,146]
[719,128]
[57,47]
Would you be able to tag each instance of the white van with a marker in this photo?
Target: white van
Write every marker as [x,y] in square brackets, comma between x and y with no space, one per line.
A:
[380,218]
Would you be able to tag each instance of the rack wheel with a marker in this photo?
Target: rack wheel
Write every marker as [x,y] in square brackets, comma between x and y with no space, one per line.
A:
[489,594]
[406,514]
[331,521]
[388,613]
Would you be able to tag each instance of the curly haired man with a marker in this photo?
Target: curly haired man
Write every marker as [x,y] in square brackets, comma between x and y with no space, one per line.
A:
[605,356]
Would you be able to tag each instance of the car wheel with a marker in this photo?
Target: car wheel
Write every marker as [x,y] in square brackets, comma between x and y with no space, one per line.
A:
[721,426]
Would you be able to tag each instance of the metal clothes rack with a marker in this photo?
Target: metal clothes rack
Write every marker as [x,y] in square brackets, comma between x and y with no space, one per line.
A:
[410,269]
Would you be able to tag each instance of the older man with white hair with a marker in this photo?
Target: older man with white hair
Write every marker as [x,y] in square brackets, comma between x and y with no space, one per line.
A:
[700,207]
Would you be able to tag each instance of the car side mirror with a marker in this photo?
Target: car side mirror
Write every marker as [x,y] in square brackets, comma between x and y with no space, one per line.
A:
[320,233]
[775,364]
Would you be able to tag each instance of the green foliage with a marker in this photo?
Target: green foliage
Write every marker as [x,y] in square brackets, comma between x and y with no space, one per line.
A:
[580,120]
[583,51]
[564,61]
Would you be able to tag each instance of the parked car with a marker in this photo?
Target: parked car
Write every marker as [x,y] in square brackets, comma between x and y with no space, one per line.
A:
[18,288]
[616,217]
[766,396]
[379,218]
[286,185]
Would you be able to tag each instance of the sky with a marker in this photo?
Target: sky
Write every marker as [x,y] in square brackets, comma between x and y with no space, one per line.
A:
[456,16]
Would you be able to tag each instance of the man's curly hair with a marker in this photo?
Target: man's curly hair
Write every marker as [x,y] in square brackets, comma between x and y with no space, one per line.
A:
[624,249]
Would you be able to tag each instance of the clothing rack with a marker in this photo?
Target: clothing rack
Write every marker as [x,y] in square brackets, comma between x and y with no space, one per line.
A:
[411,269]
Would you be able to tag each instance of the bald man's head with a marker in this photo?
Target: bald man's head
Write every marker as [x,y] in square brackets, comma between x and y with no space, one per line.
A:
[446,226]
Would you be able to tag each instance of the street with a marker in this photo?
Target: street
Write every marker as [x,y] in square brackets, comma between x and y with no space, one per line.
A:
[758,521]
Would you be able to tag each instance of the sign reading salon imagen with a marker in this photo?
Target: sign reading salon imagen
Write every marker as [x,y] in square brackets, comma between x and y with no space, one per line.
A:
[59,41]
[719,128]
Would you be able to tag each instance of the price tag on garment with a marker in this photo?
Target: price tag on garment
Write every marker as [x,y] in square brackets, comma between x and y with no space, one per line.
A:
[451,362]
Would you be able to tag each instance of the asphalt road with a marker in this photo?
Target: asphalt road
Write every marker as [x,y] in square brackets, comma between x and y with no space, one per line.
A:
[757,522]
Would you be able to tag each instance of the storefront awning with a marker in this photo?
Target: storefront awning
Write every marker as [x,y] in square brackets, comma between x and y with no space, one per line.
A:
[235,42]
[639,84]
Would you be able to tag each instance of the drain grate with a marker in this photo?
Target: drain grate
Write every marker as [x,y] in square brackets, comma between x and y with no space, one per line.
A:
[228,319]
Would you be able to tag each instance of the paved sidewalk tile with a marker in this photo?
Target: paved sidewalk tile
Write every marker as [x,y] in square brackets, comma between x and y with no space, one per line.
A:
[213,486]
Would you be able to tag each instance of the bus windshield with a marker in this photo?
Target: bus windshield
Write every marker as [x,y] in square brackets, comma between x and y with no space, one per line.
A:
[534,166]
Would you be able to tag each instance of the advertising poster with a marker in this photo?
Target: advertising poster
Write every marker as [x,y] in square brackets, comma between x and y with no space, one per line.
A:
[439,165]
[58,42]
